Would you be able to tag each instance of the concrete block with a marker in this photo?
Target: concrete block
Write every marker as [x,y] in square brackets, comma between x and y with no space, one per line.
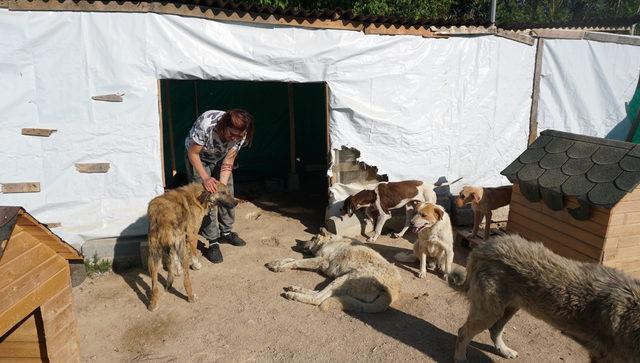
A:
[347,226]
[124,252]
[462,216]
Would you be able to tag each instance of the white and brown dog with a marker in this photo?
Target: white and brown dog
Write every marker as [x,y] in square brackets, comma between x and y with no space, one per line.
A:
[435,237]
[387,196]
[483,202]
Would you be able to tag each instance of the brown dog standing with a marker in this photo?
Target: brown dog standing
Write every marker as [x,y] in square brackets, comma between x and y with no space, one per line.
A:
[483,202]
[174,220]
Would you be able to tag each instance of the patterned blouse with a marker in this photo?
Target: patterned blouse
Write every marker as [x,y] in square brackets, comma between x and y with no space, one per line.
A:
[203,133]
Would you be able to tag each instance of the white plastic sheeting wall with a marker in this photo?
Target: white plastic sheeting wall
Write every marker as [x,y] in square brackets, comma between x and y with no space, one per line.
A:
[584,87]
[415,107]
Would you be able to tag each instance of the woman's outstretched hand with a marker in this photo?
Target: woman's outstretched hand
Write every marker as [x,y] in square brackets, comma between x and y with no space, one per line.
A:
[210,184]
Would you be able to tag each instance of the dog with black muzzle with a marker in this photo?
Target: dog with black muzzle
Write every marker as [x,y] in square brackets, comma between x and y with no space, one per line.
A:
[174,220]
[435,237]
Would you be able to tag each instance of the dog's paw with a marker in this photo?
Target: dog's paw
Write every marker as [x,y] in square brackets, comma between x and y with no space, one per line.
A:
[195,264]
[193,298]
[289,295]
[396,235]
[293,289]
[445,277]
[422,274]
[507,352]
[152,307]
[278,265]
[372,239]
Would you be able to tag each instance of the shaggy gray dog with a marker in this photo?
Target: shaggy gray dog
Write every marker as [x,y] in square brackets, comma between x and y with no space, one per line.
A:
[597,306]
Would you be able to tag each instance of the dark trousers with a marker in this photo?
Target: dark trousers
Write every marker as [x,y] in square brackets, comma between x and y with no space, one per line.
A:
[219,220]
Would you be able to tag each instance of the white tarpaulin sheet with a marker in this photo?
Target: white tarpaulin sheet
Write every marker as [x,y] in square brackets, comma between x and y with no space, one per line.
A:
[585,85]
[414,107]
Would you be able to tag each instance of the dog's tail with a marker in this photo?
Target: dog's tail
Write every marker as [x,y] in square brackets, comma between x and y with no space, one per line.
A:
[349,303]
[458,280]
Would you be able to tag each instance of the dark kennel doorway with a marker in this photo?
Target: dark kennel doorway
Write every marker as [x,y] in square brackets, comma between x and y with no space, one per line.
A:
[286,165]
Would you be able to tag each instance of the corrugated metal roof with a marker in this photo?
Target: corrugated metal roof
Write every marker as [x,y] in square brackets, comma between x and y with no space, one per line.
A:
[311,18]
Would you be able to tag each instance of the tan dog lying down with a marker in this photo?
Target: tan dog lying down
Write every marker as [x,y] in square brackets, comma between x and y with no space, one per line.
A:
[597,306]
[483,202]
[363,280]
[174,220]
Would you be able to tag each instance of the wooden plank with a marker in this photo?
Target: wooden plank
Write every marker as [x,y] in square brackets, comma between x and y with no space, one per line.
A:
[9,317]
[60,321]
[591,225]
[172,148]
[26,331]
[515,226]
[38,271]
[38,132]
[92,167]
[23,264]
[613,243]
[10,349]
[631,265]
[56,305]
[599,215]
[542,229]
[61,345]
[633,196]
[108,98]
[69,353]
[535,94]
[55,242]
[18,245]
[386,29]
[191,11]
[26,187]
[624,230]
[159,96]
[558,33]
[24,360]
[612,38]
[623,254]
[572,233]
[626,207]
[516,36]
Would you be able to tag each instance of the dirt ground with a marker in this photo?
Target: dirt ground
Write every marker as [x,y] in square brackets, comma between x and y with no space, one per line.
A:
[240,315]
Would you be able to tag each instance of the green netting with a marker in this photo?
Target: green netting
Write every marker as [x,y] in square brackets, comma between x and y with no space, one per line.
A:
[268,102]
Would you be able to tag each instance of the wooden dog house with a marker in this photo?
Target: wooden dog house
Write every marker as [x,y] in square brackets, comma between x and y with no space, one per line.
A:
[37,321]
[579,196]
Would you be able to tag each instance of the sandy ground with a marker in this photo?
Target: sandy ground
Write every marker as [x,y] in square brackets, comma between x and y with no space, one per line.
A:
[240,315]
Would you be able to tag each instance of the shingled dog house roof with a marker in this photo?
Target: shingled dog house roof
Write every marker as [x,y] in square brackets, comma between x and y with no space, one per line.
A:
[596,171]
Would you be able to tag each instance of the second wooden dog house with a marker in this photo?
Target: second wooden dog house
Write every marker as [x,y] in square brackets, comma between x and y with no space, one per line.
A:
[37,320]
[579,196]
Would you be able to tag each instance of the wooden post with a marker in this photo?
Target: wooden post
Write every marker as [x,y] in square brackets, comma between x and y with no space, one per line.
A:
[172,146]
[292,130]
[159,88]
[533,119]
[332,179]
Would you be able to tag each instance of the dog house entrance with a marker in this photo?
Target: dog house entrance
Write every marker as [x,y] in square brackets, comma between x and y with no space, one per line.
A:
[287,162]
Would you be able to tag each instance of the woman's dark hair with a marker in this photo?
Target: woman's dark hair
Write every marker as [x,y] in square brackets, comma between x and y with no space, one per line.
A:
[236,119]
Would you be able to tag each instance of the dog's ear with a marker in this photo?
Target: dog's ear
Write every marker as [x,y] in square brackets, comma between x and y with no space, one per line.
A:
[476,197]
[440,212]
[346,206]
[203,198]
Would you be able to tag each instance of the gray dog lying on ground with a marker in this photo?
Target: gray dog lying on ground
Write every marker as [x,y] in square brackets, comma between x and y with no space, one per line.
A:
[597,306]
[363,280]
